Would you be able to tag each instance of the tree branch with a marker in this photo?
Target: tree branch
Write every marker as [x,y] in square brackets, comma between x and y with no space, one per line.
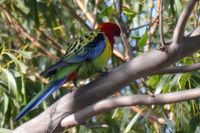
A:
[55,44]
[109,104]
[73,12]
[95,14]
[154,26]
[179,69]
[85,12]
[179,30]
[151,118]
[119,55]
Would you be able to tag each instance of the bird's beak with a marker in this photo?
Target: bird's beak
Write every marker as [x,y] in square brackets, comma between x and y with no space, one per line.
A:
[117,39]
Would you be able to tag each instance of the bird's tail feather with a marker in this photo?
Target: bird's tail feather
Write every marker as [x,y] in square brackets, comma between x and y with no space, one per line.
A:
[41,96]
[52,69]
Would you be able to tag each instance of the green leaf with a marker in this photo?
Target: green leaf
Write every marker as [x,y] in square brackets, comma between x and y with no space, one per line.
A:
[21,5]
[22,66]
[25,54]
[194,122]
[33,6]
[4,130]
[143,39]
[107,11]
[6,101]
[125,119]
[164,81]
[128,12]
[10,80]
[4,86]
[172,7]
[132,122]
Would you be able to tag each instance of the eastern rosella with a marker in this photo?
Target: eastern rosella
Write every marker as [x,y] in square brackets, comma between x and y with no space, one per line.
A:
[85,56]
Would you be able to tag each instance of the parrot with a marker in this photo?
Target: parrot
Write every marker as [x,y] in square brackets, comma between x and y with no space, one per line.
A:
[85,56]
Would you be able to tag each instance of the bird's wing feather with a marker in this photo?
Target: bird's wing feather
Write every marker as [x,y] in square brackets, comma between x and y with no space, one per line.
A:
[84,48]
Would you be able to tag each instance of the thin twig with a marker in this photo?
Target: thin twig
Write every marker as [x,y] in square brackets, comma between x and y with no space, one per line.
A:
[85,12]
[153,31]
[109,104]
[152,118]
[120,9]
[128,48]
[180,27]
[160,5]
[55,44]
[95,13]
[124,35]
[148,43]
[139,27]
[119,55]
[73,13]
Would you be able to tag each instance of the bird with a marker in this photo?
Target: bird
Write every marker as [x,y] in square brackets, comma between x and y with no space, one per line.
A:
[85,56]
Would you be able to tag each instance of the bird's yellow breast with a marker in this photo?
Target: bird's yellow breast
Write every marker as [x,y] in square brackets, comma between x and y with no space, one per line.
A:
[102,59]
[89,68]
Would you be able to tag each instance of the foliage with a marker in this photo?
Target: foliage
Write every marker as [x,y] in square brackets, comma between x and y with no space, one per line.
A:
[32,32]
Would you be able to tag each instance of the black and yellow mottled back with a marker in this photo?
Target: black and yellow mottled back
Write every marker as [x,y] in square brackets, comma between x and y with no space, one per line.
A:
[84,48]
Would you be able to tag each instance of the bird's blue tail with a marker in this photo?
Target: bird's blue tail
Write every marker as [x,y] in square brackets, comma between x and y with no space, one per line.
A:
[41,96]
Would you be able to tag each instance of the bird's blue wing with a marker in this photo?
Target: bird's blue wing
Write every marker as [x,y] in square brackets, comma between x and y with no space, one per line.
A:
[87,50]
[84,48]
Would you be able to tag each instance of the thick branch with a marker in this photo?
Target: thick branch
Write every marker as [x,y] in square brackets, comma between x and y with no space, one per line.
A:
[180,27]
[109,104]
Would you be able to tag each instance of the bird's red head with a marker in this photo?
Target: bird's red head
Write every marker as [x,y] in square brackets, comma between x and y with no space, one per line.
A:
[111,30]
